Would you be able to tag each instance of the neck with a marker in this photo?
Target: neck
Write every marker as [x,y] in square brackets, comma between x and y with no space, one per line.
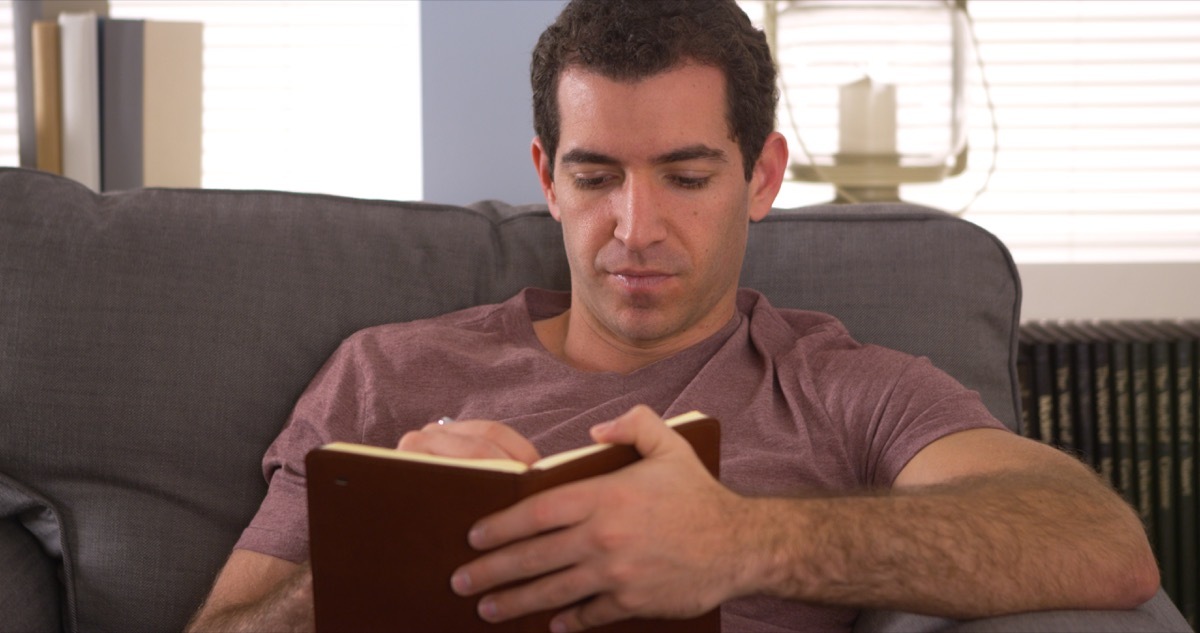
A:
[587,347]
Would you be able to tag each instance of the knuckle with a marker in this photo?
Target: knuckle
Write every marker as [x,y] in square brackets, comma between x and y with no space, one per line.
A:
[544,514]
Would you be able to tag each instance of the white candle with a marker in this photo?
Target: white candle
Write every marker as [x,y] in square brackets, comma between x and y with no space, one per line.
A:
[867,117]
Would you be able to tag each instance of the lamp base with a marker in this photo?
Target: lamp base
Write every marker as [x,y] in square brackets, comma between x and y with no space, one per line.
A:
[880,193]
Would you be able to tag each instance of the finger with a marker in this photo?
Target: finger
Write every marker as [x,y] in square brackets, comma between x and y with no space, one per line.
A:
[642,428]
[470,439]
[559,507]
[507,439]
[520,561]
[601,610]
[554,591]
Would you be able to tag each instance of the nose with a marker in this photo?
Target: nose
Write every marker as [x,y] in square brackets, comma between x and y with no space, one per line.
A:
[639,215]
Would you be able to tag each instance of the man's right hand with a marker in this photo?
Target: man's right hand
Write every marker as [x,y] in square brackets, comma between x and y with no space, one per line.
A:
[470,438]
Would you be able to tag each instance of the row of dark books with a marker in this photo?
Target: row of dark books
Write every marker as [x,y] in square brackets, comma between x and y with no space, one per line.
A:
[1123,397]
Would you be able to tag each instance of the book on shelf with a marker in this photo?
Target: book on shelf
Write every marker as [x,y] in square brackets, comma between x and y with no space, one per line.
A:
[1025,377]
[1184,346]
[1042,383]
[1141,424]
[47,95]
[389,527]
[151,94]
[80,58]
[1093,397]
[1163,431]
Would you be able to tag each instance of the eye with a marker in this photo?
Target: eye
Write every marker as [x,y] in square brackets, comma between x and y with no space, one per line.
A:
[690,182]
[591,180]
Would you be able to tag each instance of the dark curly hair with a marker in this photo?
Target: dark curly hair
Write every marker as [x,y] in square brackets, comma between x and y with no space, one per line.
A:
[628,40]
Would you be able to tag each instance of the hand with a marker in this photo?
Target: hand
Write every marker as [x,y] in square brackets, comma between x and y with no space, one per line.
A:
[470,438]
[655,539]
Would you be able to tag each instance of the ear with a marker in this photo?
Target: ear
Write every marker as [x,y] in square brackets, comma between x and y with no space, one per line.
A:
[541,163]
[768,176]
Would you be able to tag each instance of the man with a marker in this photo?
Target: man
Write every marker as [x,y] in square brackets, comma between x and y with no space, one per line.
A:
[852,477]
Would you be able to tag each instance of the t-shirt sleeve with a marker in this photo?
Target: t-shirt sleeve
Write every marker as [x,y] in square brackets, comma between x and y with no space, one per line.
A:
[327,411]
[888,405]
[922,404]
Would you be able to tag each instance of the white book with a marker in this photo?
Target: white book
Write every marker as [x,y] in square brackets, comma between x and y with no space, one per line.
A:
[80,60]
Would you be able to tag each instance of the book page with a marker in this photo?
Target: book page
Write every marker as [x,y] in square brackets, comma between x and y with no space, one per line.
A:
[498,465]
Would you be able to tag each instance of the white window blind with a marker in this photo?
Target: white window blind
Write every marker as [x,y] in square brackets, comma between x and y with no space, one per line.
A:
[320,96]
[1097,105]
[8,88]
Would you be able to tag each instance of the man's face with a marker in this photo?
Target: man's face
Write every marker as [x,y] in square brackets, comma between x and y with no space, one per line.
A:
[655,207]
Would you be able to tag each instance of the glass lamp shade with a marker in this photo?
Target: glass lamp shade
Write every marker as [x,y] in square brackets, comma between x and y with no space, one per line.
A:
[873,91]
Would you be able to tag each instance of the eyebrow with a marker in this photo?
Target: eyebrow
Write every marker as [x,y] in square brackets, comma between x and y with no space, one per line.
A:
[691,152]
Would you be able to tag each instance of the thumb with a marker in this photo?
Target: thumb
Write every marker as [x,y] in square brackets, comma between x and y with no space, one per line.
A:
[641,427]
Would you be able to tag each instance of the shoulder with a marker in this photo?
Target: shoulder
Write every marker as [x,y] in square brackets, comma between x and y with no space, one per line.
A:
[499,319]
[815,339]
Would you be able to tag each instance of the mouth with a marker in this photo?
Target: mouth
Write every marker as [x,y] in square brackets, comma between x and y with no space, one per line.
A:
[641,280]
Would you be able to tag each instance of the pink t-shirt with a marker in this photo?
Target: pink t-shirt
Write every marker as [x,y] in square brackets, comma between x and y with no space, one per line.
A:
[802,406]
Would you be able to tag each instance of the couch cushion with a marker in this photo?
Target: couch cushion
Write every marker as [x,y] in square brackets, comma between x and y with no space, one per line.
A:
[31,562]
[153,342]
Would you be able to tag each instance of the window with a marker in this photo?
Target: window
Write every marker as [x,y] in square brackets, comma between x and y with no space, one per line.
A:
[305,95]
[8,89]
[1098,109]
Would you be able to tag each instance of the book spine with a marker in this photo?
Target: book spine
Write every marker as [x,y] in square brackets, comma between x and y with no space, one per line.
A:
[172,91]
[1043,385]
[80,97]
[1187,382]
[1143,435]
[1028,418]
[1064,401]
[1083,399]
[1105,432]
[47,98]
[1122,390]
[24,16]
[122,97]
[1164,459]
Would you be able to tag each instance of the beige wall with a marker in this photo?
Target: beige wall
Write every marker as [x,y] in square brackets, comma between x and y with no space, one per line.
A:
[1110,291]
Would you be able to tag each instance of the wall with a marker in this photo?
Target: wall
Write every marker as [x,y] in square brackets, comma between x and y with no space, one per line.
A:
[476,98]
[1110,291]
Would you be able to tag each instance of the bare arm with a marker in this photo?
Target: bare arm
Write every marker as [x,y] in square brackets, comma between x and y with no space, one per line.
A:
[980,523]
[256,592]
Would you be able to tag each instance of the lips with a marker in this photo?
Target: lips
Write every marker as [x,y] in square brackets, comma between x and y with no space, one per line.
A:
[640,279]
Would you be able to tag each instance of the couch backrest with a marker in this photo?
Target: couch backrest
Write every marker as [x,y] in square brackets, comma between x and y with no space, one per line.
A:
[153,342]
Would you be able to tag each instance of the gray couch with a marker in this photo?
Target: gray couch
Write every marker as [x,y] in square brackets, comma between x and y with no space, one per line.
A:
[152,343]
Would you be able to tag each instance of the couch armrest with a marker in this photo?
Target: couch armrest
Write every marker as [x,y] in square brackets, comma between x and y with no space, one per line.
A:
[29,594]
[1158,614]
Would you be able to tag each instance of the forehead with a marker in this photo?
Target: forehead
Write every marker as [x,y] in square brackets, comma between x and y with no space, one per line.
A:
[679,107]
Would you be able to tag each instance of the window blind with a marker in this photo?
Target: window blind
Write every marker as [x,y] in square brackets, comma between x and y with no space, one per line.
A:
[8,89]
[1097,105]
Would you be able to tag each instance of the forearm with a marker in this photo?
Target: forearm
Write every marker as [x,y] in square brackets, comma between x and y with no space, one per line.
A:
[287,607]
[975,547]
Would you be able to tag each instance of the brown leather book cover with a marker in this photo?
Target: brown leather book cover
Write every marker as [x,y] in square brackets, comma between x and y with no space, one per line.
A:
[388,528]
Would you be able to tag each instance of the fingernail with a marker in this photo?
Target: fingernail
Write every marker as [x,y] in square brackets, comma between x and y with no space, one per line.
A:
[461,583]
[475,536]
[487,609]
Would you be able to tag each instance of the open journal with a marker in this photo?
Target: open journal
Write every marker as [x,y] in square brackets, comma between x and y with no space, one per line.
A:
[388,528]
